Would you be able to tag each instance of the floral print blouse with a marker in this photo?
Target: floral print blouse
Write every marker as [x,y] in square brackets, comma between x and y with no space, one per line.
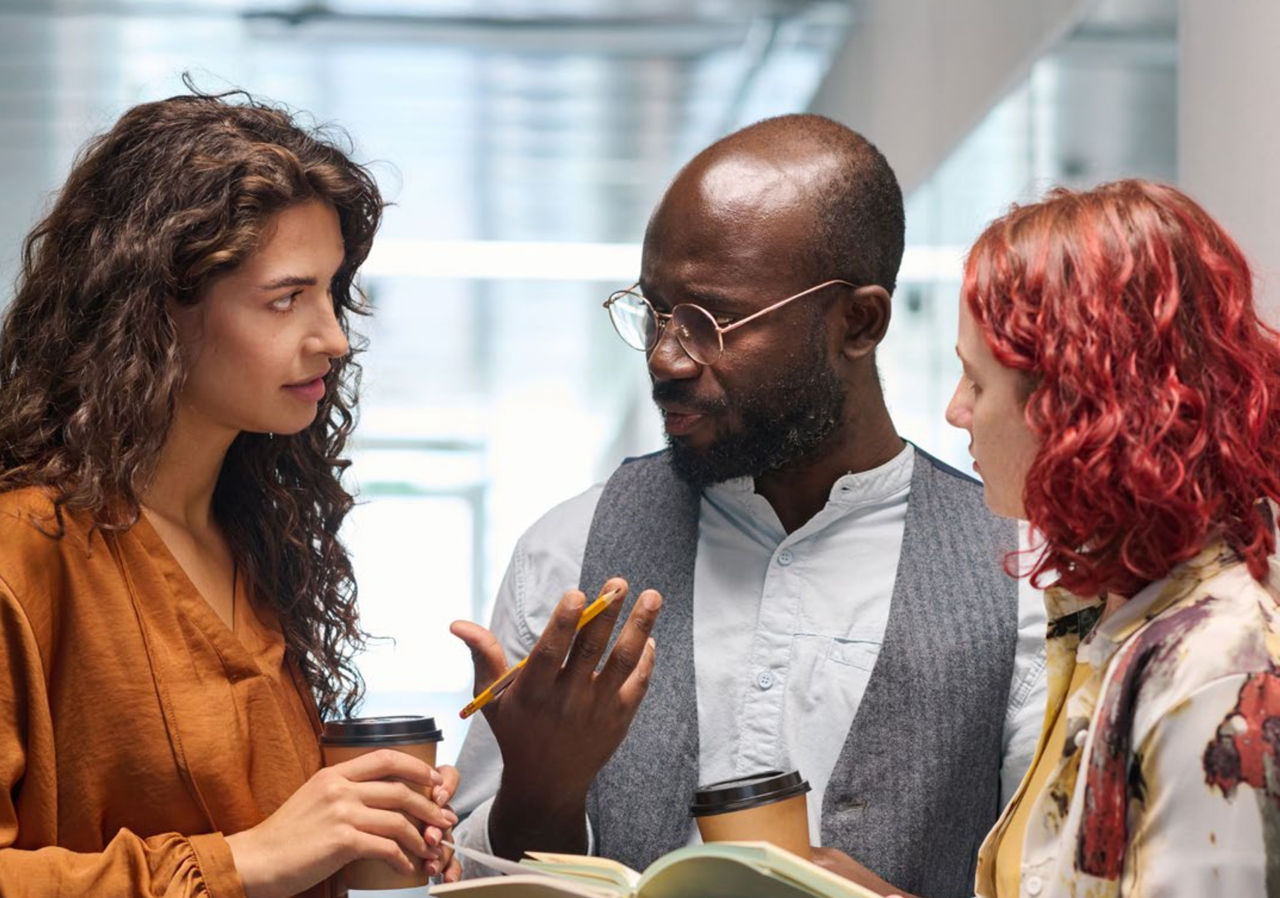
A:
[1167,782]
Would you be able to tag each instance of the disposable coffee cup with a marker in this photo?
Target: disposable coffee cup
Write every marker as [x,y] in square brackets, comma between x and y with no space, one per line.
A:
[764,807]
[343,740]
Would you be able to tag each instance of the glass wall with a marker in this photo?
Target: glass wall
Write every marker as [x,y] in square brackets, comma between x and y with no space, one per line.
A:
[522,144]
[1101,105]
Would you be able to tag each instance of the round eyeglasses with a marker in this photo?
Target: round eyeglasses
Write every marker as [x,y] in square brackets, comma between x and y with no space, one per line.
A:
[697,331]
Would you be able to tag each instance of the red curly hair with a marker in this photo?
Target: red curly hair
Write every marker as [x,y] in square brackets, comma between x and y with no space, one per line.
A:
[1152,384]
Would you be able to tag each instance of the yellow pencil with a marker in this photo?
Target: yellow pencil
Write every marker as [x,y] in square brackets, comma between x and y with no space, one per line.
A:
[498,686]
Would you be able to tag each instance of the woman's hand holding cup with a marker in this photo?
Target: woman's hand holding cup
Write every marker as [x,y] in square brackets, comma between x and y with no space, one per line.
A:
[361,809]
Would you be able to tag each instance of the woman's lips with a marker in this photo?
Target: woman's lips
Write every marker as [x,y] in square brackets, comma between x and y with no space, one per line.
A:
[308,391]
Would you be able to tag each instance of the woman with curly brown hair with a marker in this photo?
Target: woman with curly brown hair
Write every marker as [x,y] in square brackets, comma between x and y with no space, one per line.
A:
[1122,395]
[177,613]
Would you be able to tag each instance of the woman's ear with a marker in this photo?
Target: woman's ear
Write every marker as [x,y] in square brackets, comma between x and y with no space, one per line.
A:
[866,318]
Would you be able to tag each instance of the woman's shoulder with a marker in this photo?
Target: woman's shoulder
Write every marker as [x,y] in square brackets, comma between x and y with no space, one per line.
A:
[1225,622]
[38,542]
[1226,629]
[26,498]
[30,514]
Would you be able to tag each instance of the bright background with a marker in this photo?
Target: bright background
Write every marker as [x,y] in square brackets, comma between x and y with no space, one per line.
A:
[523,144]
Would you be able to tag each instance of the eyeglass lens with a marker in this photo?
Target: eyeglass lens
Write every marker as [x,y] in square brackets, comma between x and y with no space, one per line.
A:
[693,327]
[696,331]
[633,320]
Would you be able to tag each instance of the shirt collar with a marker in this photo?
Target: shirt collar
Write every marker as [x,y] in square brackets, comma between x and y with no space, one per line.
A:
[1069,613]
[1156,597]
[1063,608]
[878,484]
[850,495]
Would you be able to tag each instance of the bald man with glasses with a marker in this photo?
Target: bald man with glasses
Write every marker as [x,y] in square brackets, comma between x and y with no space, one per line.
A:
[821,594]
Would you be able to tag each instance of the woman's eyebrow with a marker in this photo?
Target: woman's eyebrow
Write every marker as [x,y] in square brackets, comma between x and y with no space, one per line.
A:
[289,280]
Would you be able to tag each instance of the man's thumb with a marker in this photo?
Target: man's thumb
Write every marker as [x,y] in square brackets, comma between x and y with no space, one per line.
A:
[486,652]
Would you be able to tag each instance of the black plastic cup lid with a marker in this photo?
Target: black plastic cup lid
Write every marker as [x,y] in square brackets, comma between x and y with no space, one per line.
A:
[747,792]
[381,730]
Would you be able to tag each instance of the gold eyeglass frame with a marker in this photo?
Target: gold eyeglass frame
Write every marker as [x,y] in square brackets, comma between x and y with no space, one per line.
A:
[662,318]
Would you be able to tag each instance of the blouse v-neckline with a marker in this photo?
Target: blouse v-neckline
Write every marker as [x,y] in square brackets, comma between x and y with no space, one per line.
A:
[238,645]
[256,648]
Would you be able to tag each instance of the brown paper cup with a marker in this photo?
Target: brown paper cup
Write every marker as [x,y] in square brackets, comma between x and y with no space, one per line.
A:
[346,739]
[766,807]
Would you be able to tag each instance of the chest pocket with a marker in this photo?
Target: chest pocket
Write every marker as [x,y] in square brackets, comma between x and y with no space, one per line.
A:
[859,649]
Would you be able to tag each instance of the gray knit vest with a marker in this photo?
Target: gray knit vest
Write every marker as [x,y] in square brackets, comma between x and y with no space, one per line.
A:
[917,784]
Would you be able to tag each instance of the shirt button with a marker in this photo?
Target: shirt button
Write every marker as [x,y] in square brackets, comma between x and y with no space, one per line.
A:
[785,557]
[1034,884]
[765,679]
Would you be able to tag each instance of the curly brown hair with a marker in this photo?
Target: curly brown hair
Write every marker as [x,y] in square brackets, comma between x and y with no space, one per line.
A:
[178,192]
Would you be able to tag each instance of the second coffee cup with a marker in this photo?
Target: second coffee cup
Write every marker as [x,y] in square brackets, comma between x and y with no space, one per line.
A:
[766,807]
[346,739]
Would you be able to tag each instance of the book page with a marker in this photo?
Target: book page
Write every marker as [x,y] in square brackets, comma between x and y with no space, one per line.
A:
[584,867]
[529,886]
[742,870]
[490,864]
[718,877]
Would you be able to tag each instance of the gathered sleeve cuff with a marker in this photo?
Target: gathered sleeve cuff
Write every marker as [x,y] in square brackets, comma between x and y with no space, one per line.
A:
[167,865]
[215,867]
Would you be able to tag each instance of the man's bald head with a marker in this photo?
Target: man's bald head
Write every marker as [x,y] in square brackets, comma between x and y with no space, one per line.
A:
[813,163]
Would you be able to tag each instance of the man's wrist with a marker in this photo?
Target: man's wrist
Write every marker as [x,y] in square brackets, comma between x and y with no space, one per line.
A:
[521,820]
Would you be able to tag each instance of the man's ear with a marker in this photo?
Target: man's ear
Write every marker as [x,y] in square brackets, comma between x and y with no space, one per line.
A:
[866,318]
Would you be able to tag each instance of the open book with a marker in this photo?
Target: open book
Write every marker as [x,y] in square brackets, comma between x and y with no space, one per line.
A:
[710,870]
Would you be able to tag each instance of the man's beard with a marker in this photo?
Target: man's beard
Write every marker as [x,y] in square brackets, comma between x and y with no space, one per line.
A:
[783,421]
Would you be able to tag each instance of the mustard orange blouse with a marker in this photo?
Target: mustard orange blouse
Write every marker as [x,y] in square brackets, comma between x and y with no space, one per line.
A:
[136,729]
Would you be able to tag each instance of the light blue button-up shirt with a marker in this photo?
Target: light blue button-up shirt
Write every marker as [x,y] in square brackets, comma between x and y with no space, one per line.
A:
[787,628]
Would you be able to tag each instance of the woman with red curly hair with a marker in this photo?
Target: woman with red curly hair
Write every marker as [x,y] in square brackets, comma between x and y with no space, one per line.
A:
[1122,396]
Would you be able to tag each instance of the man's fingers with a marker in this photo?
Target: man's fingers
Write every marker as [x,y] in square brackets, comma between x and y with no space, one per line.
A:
[630,647]
[637,682]
[548,653]
[593,639]
[486,652]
